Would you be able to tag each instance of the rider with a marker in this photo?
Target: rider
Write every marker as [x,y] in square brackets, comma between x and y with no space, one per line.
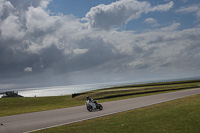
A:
[90,101]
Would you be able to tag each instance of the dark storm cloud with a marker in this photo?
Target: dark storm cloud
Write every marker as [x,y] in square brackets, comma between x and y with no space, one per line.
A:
[14,61]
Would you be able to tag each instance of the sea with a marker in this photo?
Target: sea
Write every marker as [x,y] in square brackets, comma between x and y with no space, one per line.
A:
[71,89]
[67,90]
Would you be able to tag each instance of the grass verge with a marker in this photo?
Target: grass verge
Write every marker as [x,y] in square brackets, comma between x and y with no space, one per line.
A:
[177,116]
[12,106]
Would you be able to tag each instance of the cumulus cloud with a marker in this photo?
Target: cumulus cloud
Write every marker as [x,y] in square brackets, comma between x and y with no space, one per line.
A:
[120,12]
[61,49]
[10,28]
[156,49]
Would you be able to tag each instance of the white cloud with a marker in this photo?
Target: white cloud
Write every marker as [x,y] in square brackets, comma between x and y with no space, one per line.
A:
[80,51]
[171,28]
[5,8]
[38,19]
[151,21]
[10,28]
[120,12]
[44,3]
[75,51]
[190,9]
[164,7]
[153,48]
[62,44]
[28,69]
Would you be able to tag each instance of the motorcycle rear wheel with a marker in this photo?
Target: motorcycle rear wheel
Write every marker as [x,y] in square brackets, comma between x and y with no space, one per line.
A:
[89,108]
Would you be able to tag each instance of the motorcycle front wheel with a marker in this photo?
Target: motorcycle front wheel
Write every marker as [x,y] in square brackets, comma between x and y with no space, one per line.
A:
[100,107]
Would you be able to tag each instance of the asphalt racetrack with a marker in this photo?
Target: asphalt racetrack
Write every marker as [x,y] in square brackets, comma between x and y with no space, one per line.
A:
[46,119]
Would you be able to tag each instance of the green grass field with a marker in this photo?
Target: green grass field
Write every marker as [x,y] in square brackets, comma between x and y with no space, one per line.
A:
[12,106]
[177,116]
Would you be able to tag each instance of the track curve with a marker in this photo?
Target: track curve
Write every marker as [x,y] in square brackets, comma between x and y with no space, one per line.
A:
[51,118]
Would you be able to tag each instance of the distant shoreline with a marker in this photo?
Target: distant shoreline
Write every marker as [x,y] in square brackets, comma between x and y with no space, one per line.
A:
[71,89]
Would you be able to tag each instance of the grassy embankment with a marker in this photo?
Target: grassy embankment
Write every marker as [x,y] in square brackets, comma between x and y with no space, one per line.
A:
[11,106]
[177,116]
[120,92]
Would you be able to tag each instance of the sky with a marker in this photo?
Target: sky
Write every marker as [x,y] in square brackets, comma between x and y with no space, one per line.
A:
[65,42]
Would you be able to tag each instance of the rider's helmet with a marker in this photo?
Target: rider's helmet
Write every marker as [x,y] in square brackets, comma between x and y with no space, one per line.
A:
[87,97]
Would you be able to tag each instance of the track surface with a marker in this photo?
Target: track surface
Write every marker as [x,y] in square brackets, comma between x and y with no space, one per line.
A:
[45,119]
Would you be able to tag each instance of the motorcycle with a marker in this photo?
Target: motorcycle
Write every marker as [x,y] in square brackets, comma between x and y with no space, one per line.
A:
[93,105]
